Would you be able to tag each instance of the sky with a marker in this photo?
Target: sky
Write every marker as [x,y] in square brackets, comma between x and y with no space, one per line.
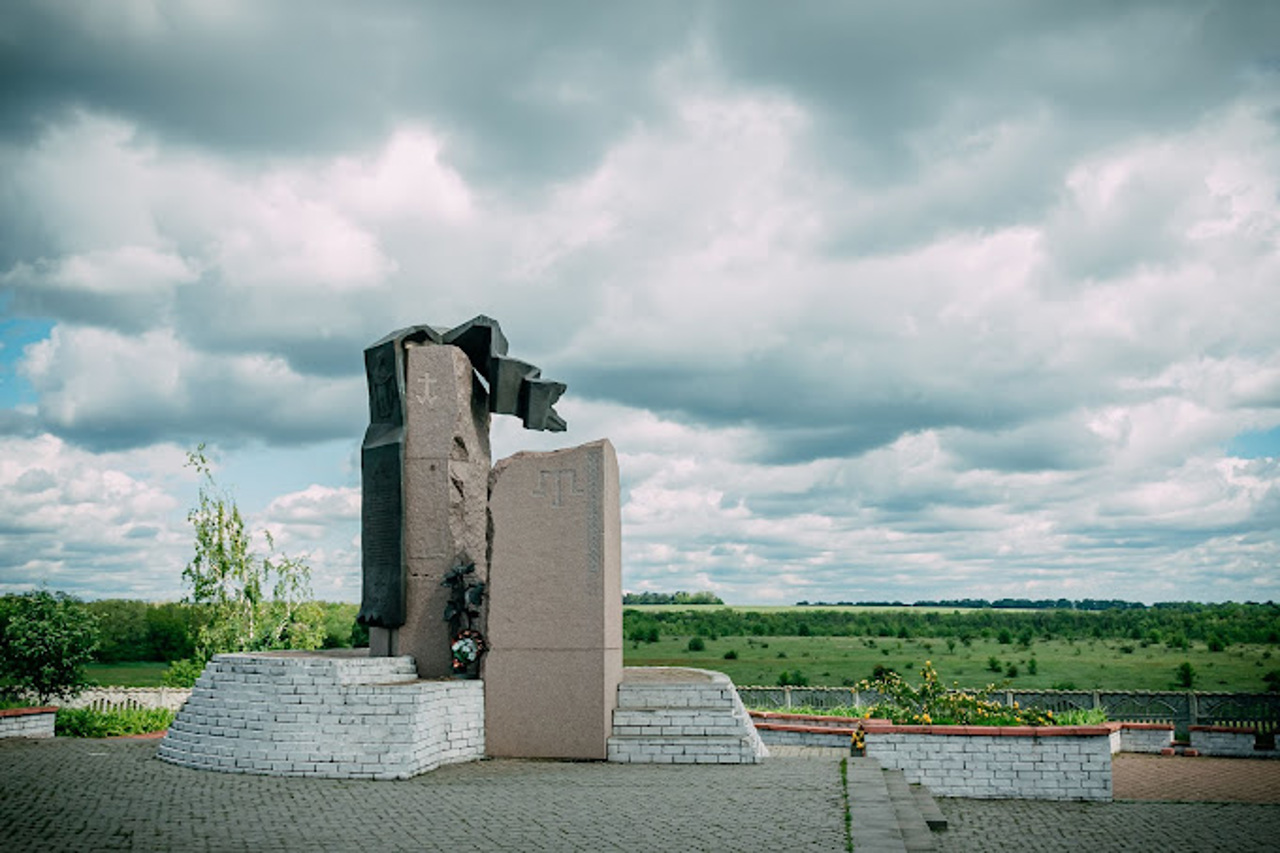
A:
[876,300]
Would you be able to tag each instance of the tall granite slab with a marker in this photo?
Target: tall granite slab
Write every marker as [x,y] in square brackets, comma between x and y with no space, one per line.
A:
[445,495]
[555,604]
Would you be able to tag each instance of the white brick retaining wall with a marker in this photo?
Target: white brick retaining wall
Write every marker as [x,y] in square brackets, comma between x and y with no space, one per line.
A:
[1228,741]
[337,715]
[1043,763]
[1140,737]
[677,715]
[27,722]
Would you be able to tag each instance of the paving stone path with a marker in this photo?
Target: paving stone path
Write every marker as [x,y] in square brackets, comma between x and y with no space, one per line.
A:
[1201,779]
[74,795]
[81,795]
[1163,803]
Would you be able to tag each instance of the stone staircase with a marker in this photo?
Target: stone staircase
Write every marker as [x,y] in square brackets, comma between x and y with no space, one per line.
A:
[888,814]
[676,715]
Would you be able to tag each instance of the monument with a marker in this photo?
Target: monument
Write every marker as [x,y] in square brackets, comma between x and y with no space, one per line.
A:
[492,594]
[425,474]
[555,607]
[542,531]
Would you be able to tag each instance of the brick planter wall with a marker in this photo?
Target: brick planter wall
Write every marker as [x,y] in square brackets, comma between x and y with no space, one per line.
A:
[1228,741]
[1024,762]
[1058,762]
[330,715]
[1141,737]
[28,722]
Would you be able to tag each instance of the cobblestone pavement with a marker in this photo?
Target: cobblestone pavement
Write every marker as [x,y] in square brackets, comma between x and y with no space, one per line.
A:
[1213,780]
[1200,804]
[1032,826]
[74,795]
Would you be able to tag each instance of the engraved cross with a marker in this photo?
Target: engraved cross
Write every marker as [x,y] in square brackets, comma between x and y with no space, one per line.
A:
[427,397]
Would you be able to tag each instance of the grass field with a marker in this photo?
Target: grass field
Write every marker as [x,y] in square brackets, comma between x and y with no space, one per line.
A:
[840,661]
[131,674]
[1084,664]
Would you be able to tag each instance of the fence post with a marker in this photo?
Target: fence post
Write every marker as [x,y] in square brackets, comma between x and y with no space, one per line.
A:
[1097,700]
[1193,708]
[787,692]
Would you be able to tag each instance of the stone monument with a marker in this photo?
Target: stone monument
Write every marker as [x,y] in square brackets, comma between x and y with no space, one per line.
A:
[544,531]
[555,605]
[425,470]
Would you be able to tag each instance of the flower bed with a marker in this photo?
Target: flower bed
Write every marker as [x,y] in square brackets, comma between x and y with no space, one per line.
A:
[1022,762]
[964,744]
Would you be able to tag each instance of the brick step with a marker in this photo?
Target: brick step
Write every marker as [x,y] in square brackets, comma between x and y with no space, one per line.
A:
[887,813]
[676,696]
[681,749]
[704,722]
[916,833]
[929,810]
[874,824]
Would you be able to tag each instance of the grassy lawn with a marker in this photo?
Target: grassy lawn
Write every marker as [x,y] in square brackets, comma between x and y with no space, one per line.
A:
[1086,664]
[131,674]
[837,661]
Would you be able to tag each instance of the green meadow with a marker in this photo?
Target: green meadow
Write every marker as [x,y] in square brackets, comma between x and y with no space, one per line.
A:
[1216,647]
[1062,664]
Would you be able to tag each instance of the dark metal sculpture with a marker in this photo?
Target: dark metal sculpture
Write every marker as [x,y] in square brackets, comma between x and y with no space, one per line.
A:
[515,388]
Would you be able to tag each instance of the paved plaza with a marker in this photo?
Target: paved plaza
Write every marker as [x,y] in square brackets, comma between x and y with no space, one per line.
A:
[73,795]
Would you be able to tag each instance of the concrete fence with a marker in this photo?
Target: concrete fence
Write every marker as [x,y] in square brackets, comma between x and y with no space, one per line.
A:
[124,698]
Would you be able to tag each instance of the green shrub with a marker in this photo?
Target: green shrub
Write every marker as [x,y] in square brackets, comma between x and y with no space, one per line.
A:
[45,645]
[731,655]
[182,673]
[931,703]
[697,644]
[1082,717]
[86,722]
[792,679]
[1185,675]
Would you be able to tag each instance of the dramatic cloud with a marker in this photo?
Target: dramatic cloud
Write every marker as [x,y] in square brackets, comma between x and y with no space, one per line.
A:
[875,300]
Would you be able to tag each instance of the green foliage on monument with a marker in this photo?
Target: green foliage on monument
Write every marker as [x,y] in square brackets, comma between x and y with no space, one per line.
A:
[249,602]
[46,640]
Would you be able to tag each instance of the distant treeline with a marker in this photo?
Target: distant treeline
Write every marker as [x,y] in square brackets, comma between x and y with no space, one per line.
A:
[1008,604]
[1174,625]
[670,598]
[130,630]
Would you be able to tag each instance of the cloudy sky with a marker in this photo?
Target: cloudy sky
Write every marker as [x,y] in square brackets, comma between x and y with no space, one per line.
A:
[876,300]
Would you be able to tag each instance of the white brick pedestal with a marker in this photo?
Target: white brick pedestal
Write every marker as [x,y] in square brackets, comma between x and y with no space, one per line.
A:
[676,715]
[336,715]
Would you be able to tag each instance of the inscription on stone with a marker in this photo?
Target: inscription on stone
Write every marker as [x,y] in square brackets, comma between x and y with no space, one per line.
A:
[382,600]
[558,483]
